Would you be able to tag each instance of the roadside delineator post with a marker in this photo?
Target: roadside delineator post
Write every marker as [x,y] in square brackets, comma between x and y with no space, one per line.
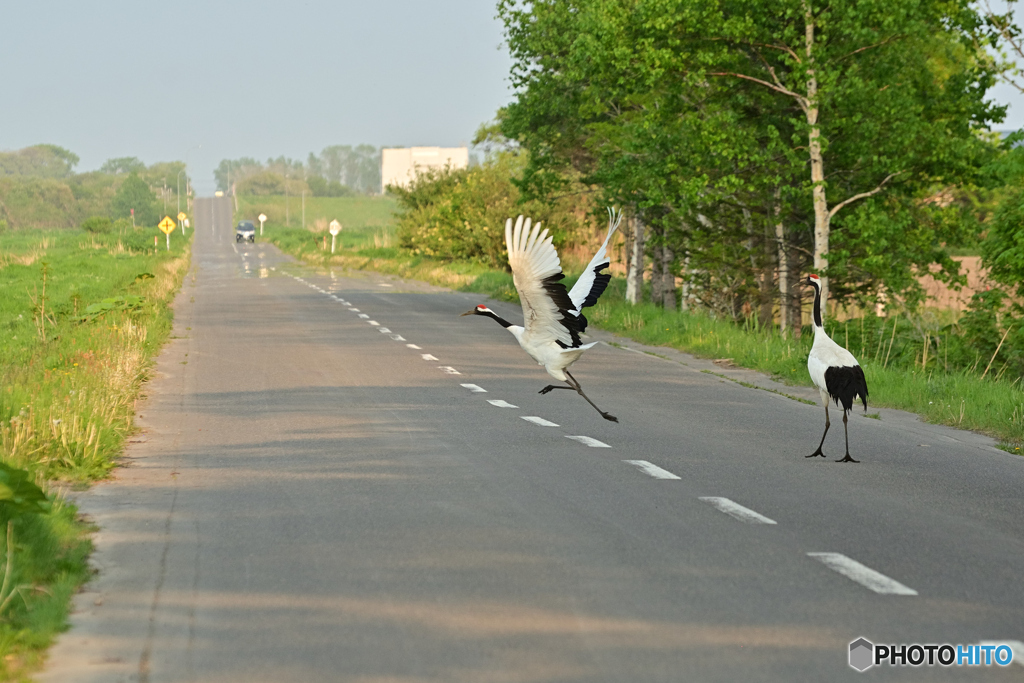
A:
[335,228]
[262,217]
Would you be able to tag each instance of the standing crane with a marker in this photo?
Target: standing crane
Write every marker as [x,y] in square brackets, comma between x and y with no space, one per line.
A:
[552,317]
[836,373]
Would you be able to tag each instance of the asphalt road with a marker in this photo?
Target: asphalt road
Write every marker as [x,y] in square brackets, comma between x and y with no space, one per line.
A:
[318,496]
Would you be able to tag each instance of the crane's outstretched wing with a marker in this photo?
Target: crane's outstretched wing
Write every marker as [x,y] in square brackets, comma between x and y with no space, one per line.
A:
[547,309]
[593,282]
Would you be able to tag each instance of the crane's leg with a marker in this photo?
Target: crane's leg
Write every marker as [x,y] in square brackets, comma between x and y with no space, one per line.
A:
[845,432]
[818,452]
[576,385]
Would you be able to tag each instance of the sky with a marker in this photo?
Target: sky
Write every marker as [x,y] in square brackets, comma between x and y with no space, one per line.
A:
[206,80]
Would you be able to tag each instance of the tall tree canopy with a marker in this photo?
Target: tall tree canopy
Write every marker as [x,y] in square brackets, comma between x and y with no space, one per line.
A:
[798,131]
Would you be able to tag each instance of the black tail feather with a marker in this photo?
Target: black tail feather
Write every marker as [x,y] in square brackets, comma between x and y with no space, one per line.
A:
[845,384]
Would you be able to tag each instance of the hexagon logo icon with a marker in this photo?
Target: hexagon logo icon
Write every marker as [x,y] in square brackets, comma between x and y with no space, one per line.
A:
[862,653]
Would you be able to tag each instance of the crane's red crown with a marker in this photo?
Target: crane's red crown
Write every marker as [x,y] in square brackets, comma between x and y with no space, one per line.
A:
[814,277]
[481,307]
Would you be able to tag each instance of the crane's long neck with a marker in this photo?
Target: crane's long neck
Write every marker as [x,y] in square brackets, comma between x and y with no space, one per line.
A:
[817,309]
[491,314]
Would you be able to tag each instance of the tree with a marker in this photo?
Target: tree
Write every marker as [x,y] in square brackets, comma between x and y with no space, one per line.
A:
[134,193]
[45,161]
[122,165]
[736,126]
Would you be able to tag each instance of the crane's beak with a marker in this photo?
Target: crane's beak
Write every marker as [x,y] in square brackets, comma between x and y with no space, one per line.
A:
[468,313]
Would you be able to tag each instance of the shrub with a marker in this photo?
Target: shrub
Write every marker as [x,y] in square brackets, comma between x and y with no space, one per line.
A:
[461,214]
[98,225]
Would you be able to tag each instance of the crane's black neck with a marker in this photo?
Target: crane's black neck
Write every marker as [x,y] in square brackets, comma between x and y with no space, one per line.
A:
[817,305]
[491,314]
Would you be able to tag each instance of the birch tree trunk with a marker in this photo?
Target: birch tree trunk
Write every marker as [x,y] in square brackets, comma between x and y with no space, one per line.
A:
[783,259]
[821,212]
[635,277]
[684,294]
[668,280]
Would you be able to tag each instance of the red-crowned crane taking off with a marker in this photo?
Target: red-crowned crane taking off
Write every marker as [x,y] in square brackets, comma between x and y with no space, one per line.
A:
[552,317]
[835,372]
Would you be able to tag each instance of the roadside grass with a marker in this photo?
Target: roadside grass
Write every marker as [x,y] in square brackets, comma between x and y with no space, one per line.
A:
[82,317]
[900,375]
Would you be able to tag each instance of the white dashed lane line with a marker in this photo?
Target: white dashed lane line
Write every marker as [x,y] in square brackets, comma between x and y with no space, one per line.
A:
[447,369]
[651,469]
[537,420]
[586,440]
[427,356]
[363,316]
[383,330]
[865,576]
[354,310]
[497,402]
[736,511]
[398,337]
[475,389]
[373,322]
[413,346]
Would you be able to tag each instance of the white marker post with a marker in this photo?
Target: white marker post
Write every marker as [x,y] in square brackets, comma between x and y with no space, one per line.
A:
[263,218]
[335,228]
[185,223]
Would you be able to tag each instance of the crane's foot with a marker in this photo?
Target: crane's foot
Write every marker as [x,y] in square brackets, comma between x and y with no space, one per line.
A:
[609,417]
[553,386]
[816,454]
[847,459]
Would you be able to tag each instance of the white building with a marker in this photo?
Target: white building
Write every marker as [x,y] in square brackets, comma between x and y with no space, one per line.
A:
[400,166]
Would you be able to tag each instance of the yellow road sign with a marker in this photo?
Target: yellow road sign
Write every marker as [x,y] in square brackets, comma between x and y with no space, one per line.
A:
[181,216]
[167,225]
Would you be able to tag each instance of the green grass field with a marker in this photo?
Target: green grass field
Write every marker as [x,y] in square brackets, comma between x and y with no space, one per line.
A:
[81,318]
[354,213]
[897,378]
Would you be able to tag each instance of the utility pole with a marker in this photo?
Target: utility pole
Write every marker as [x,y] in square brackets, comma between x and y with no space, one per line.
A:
[303,209]
[287,199]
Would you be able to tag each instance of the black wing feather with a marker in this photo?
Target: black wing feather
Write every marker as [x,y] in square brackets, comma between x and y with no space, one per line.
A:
[560,296]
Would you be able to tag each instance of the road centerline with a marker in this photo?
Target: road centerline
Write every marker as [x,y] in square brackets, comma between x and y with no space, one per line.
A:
[862,574]
[651,469]
[736,511]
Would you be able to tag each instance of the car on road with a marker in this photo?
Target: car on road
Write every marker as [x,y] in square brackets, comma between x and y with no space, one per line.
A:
[245,231]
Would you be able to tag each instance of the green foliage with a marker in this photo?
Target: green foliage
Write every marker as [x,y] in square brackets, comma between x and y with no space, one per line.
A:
[1003,248]
[698,115]
[19,494]
[122,165]
[357,169]
[461,214]
[122,304]
[321,187]
[37,202]
[42,161]
[98,225]
[262,184]
[134,193]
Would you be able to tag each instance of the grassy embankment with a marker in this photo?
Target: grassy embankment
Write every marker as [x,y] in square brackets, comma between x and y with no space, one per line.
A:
[82,316]
[889,349]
